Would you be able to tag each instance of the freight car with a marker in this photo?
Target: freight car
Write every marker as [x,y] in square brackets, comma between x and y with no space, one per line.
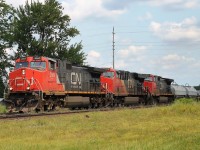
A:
[42,83]
[181,91]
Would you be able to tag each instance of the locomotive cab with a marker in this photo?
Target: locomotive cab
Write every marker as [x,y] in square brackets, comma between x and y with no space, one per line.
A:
[150,84]
[30,79]
[34,74]
[21,78]
[107,80]
[115,82]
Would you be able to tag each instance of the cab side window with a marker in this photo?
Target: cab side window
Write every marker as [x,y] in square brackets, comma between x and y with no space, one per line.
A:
[52,65]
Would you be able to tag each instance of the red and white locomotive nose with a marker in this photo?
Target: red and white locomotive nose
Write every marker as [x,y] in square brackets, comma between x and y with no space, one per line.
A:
[20,80]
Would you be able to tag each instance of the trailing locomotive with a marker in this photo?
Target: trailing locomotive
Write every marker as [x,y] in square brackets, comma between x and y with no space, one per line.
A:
[159,89]
[125,88]
[42,83]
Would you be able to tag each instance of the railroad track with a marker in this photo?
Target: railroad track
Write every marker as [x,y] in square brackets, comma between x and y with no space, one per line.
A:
[10,116]
[28,115]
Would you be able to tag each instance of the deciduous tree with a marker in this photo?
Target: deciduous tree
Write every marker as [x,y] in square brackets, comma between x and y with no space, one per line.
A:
[6,13]
[43,29]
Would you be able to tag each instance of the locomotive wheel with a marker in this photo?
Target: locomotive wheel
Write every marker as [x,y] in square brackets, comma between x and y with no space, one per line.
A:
[153,101]
[30,106]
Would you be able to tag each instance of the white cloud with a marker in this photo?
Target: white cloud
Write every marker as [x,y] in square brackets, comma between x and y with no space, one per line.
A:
[130,57]
[16,3]
[191,4]
[187,30]
[94,54]
[93,58]
[182,68]
[121,64]
[177,58]
[175,4]
[175,62]
[131,52]
[81,9]
[167,4]
[146,16]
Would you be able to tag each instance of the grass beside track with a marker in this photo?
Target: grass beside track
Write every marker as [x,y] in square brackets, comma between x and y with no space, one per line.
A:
[172,127]
[2,109]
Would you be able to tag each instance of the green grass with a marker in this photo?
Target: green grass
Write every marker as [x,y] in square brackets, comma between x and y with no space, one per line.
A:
[2,109]
[172,127]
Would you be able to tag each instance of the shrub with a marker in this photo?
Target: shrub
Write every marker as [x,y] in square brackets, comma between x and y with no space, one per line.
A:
[185,101]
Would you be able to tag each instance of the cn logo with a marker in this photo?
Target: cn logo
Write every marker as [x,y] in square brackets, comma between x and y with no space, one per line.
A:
[76,79]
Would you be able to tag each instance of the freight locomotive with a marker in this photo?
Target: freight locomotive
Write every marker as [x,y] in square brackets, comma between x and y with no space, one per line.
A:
[42,83]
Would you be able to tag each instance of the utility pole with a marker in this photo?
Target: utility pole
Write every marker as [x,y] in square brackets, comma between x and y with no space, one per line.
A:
[113,47]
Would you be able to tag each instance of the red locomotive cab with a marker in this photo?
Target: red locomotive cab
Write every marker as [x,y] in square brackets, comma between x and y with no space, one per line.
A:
[150,84]
[107,80]
[111,83]
[34,74]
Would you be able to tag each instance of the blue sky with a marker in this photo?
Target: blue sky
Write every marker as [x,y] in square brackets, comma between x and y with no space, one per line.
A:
[152,36]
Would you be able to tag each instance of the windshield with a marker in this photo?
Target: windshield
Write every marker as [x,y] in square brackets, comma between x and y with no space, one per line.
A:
[21,64]
[108,74]
[38,65]
[148,79]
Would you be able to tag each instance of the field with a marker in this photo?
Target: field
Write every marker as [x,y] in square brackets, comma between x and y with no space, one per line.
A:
[172,127]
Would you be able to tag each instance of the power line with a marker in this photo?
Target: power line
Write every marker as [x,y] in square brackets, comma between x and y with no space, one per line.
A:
[134,32]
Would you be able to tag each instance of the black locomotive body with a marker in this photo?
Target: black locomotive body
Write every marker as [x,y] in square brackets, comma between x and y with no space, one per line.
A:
[78,78]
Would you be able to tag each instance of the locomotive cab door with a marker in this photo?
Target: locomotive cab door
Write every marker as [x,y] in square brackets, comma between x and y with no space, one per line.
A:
[150,84]
[52,75]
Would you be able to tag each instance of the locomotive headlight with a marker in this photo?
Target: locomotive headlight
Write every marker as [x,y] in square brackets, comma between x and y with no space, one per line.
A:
[23,72]
[11,88]
[28,88]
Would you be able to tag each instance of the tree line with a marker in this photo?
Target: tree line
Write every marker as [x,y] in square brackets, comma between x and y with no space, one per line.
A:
[197,88]
[36,28]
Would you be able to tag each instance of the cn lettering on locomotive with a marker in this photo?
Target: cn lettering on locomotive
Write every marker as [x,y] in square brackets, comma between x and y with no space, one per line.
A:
[76,80]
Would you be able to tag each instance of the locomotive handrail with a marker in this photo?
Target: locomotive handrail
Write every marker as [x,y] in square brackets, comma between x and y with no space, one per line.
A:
[105,86]
[40,87]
